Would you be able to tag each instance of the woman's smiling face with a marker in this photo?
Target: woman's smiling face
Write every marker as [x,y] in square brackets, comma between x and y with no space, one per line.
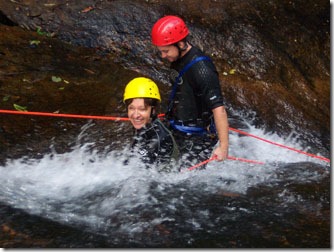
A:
[139,113]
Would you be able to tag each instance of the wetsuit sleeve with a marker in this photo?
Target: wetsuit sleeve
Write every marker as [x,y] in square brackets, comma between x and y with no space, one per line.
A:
[206,83]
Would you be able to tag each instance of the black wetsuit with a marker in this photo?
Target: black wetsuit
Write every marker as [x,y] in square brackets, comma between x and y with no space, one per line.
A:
[156,146]
[197,94]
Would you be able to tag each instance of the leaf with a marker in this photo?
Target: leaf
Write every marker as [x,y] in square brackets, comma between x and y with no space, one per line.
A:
[232,71]
[39,31]
[6,98]
[20,108]
[89,8]
[34,42]
[56,79]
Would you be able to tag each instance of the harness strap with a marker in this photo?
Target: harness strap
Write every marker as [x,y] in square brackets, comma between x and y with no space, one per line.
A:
[176,152]
[193,129]
[185,69]
[187,129]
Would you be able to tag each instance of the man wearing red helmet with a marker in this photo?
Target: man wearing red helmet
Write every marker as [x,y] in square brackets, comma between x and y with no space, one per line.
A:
[196,109]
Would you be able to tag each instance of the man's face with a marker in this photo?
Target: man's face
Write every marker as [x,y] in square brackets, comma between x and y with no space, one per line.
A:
[170,52]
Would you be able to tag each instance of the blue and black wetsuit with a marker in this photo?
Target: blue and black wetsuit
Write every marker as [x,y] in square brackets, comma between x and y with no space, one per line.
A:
[197,94]
[156,146]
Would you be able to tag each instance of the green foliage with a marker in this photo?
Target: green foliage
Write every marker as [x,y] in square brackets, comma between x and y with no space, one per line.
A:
[56,79]
[20,108]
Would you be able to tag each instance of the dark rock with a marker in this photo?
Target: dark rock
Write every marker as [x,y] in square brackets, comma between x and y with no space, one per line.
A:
[273,57]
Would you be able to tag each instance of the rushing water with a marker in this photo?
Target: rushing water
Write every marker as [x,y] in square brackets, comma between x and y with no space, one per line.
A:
[228,204]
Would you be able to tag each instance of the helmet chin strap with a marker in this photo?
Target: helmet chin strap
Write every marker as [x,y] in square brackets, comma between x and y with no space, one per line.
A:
[181,49]
[153,114]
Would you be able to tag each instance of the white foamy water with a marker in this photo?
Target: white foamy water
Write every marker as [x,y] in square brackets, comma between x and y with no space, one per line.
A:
[102,193]
[269,148]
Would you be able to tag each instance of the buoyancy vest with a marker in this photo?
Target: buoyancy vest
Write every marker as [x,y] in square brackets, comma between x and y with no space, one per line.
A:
[180,126]
[177,79]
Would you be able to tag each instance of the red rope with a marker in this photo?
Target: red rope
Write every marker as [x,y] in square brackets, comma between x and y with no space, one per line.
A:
[245,160]
[113,118]
[229,157]
[64,115]
[160,115]
[281,145]
[201,163]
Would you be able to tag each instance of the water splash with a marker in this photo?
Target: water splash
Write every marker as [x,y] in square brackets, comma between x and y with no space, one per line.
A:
[98,192]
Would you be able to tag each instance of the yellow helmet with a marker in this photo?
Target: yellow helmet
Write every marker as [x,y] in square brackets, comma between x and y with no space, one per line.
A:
[141,87]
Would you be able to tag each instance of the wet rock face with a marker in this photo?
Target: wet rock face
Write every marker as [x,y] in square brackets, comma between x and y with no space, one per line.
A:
[42,74]
[273,56]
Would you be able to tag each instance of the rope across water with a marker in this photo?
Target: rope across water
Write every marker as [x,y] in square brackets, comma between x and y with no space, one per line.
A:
[113,118]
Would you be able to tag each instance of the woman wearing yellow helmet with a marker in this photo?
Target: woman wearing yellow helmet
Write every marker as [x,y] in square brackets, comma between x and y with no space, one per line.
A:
[152,140]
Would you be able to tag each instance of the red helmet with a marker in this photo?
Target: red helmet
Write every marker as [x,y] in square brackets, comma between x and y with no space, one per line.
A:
[168,30]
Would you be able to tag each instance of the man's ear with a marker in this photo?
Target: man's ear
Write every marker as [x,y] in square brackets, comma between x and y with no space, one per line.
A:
[182,45]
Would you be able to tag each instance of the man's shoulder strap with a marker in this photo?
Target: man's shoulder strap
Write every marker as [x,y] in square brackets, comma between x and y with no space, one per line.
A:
[183,70]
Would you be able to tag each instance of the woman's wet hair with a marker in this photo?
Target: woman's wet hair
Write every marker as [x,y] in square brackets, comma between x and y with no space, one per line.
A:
[147,101]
